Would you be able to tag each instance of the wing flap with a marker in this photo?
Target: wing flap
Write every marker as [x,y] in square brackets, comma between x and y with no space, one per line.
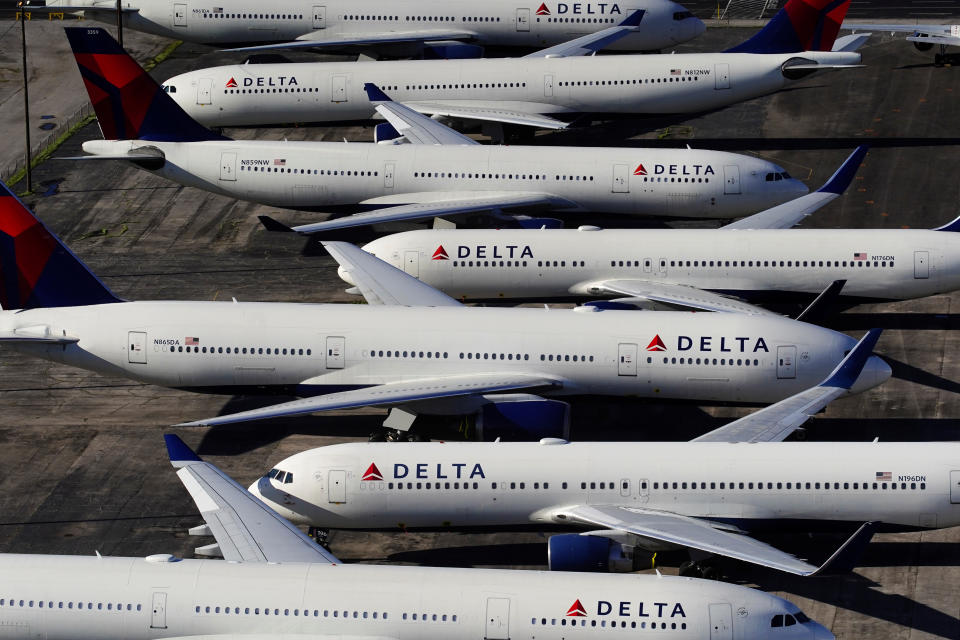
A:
[384,284]
[677,295]
[392,393]
[246,530]
[489,113]
[593,42]
[316,39]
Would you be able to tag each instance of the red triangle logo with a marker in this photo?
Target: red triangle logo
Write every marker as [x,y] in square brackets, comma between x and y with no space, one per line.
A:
[576,610]
[640,171]
[542,10]
[440,254]
[656,344]
[372,473]
[231,83]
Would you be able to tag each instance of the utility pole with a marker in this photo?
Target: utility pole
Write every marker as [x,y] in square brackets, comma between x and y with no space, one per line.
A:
[119,24]
[26,99]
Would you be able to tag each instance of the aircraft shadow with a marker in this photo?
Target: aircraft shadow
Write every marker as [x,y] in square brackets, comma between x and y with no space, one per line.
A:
[531,553]
[908,321]
[904,371]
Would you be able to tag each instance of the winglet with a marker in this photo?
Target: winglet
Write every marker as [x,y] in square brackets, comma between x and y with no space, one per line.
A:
[843,176]
[272,225]
[374,94]
[827,296]
[849,369]
[953,225]
[845,558]
[633,19]
[180,454]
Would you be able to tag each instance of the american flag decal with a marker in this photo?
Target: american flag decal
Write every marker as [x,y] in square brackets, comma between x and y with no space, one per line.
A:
[674,72]
[191,342]
[280,162]
[859,256]
[884,476]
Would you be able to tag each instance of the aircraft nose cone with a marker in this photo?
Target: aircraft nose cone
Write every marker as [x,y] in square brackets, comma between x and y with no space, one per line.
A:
[697,27]
[875,372]
[254,489]
[820,632]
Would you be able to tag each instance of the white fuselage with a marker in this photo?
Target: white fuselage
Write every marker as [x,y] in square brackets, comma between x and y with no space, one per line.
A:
[261,94]
[93,598]
[892,264]
[679,182]
[314,349]
[496,23]
[796,485]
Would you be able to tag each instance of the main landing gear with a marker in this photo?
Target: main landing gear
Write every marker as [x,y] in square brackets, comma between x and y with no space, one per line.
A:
[395,435]
[700,569]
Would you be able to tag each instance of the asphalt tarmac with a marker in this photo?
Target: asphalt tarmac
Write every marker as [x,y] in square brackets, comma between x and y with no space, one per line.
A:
[86,465]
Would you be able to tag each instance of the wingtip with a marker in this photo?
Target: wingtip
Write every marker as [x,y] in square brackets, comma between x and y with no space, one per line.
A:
[633,19]
[272,225]
[178,451]
[847,372]
[374,94]
[843,176]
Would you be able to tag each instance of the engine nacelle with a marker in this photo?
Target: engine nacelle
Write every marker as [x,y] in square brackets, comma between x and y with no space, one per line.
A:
[451,50]
[586,552]
[923,46]
[797,68]
[523,417]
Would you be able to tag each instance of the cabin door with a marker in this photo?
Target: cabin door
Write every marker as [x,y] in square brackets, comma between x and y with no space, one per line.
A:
[179,15]
[523,19]
[388,169]
[335,352]
[548,85]
[627,362]
[338,88]
[204,91]
[319,17]
[411,263]
[722,75]
[921,264]
[498,619]
[721,621]
[786,362]
[731,179]
[337,487]
[158,616]
[228,166]
[138,347]
[955,487]
[621,178]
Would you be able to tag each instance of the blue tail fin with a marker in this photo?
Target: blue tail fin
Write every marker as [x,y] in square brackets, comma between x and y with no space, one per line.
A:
[802,25]
[130,105]
[36,269]
[953,225]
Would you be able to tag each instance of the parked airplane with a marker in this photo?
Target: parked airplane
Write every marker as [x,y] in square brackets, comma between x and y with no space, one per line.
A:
[546,89]
[707,495]
[923,37]
[714,270]
[428,354]
[444,29]
[144,126]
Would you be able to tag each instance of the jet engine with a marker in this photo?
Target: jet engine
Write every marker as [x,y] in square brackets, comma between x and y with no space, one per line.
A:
[923,46]
[451,50]
[587,552]
[796,68]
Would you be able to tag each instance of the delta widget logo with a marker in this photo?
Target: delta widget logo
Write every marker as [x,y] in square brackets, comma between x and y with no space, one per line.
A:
[440,254]
[372,473]
[576,610]
[542,10]
[656,344]
[231,84]
[640,170]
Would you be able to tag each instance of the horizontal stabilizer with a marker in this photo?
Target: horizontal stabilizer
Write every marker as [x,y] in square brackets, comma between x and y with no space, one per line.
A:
[776,422]
[43,336]
[246,530]
[851,42]
[382,283]
[393,393]
[593,42]
[788,214]
[317,39]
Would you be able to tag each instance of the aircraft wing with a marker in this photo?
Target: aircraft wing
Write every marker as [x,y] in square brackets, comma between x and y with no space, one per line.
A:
[316,39]
[677,295]
[592,42]
[945,34]
[411,124]
[246,530]
[457,203]
[391,393]
[487,113]
[382,283]
[776,422]
[788,214]
[695,533]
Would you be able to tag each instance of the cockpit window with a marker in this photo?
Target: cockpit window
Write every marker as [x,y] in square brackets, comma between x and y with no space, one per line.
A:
[777,621]
[682,15]
[788,621]
[289,478]
[772,177]
[169,88]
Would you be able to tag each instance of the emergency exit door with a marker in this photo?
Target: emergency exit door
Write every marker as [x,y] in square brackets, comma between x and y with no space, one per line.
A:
[498,619]
[627,362]
[921,264]
[337,487]
[319,17]
[721,621]
[786,362]
[338,88]
[179,15]
[523,19]
[621,178]
[138,347]
[388,169]
[731,179]
[335,352]
[158,615]
[228,166]
[548,85]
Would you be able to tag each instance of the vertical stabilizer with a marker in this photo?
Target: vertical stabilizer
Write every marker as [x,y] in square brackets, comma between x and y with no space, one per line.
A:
[801,25]
[36,269]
